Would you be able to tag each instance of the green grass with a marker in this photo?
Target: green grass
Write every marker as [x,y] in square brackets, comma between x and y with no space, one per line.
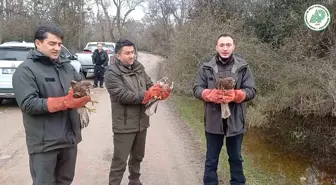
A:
[191,111]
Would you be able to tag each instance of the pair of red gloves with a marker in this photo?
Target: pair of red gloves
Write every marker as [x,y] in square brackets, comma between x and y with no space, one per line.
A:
[220,96]
[155,92]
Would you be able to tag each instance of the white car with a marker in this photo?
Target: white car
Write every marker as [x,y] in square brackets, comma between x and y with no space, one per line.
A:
[12,54]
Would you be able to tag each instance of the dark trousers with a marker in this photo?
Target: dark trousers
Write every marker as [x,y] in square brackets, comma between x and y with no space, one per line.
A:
[214,144]
[132,144]
[99,71]
[55,167]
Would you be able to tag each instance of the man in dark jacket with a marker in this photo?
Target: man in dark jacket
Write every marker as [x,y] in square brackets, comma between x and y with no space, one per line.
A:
[100,60]
[224,64]
[52,125]
[130,88]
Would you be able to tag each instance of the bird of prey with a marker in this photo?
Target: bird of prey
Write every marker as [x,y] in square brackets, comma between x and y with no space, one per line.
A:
[224,84]
[81,89]
[167,85]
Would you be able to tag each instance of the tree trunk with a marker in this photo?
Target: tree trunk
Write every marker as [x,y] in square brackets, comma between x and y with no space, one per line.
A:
[1,18]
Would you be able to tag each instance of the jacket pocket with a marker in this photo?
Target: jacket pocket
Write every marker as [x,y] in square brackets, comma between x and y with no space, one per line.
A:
[211,80]
[142,84]
[102,57]
[56,127]
[34,130]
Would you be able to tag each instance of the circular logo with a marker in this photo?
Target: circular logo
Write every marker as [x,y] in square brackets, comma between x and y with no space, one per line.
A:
[317,17]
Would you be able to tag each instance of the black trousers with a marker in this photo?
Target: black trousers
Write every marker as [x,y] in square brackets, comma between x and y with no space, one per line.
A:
[214,144]
[99,71]
[55,167]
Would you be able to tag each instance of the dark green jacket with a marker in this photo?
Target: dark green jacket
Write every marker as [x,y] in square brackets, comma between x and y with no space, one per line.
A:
[126,88]
[206,79]
[34,81]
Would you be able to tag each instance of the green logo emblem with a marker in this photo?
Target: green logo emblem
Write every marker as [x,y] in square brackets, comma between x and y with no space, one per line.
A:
[317,17]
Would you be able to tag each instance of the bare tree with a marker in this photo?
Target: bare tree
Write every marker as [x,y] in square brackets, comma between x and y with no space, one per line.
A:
[111,21]
[1,18]
[119,19]
[20,17]
[129,6]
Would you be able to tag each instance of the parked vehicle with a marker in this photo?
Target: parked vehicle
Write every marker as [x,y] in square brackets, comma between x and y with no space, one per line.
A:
[85,57]
[12,54]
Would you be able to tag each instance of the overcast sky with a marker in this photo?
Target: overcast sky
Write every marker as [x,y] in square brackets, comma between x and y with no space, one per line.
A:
[137,14]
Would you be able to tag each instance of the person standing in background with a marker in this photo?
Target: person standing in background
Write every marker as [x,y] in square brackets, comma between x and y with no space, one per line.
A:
[100,60]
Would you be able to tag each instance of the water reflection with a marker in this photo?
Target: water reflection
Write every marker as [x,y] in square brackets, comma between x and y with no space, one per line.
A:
[271,159]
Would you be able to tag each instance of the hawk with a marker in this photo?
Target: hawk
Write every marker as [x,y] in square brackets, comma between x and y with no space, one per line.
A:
[167,85]
[81,89]
[224,84]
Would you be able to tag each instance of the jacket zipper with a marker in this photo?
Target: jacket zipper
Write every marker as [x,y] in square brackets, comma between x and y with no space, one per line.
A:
[140,118]
[125,115]
[57,71]
[69,112]
[139,83]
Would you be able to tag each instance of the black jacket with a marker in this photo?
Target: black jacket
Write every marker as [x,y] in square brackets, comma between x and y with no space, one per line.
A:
[206,79]
[101,58]
[36,79]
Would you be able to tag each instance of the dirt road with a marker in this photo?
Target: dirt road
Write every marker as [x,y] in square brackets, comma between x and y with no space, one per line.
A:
[171,156]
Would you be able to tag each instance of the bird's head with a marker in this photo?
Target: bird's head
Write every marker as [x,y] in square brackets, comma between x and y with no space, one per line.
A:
[81,88]
[166,83]
[225,83]
[73,83]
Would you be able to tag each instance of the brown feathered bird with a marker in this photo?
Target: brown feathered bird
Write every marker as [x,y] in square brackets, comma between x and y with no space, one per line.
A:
[81,89]
[224,84]
[167,85]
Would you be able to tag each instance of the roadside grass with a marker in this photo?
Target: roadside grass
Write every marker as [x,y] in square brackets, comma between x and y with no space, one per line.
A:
[2,109]
[191,111]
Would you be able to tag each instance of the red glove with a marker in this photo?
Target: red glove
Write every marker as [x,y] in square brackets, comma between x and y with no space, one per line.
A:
[229,96]
[212,95]
[55,104]
[153,92]
[239,96]
[164,94]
